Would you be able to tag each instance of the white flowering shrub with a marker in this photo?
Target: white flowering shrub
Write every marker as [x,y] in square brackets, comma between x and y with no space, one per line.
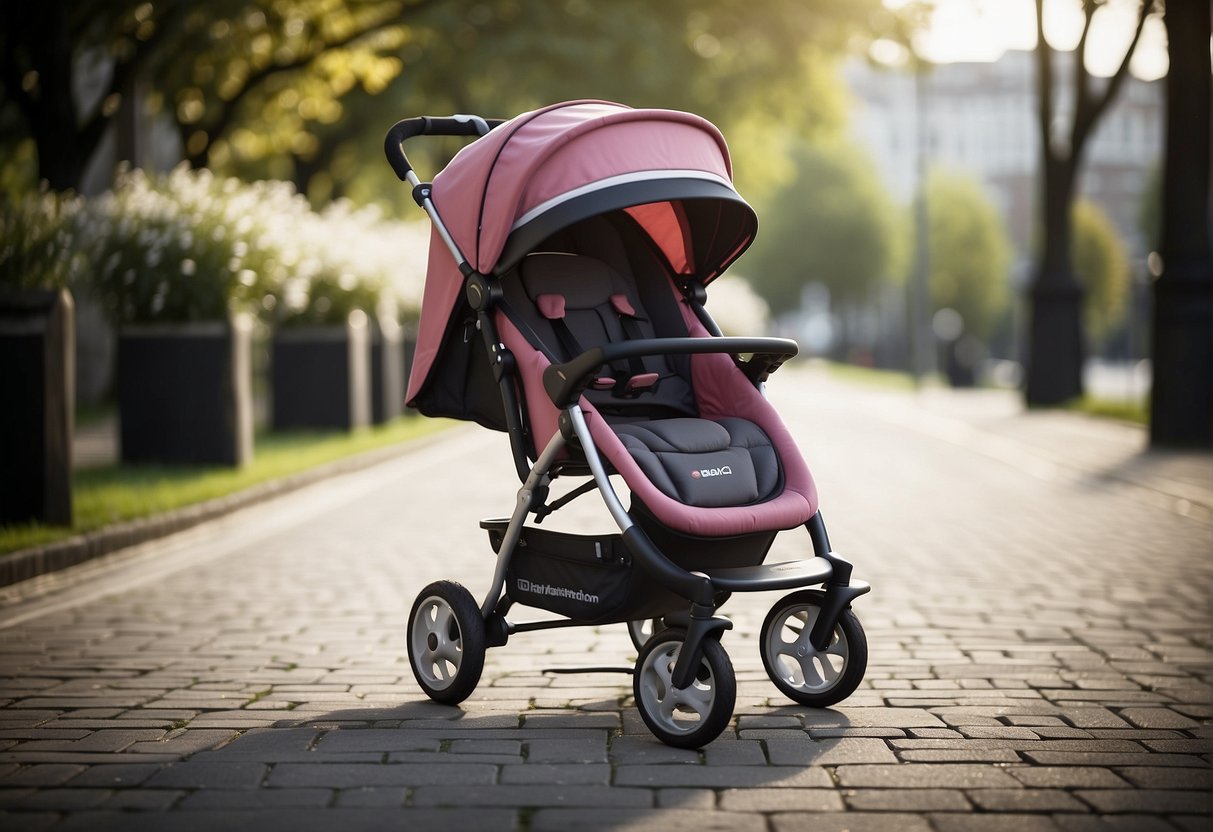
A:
[38,242]
[185,247]
[340,259]
[736,308]
[193,246]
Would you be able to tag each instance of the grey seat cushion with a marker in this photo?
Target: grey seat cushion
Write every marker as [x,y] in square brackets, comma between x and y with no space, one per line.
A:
[704,462]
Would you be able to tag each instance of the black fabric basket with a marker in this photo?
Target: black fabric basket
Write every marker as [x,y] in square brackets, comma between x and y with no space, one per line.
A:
[588,578]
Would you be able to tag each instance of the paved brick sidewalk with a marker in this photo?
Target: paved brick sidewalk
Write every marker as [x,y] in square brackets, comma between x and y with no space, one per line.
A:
[1039,634]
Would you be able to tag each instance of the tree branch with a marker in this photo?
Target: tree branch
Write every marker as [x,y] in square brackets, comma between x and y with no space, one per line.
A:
[219,125]
[1044,85]
[1082,77]
[1085,120]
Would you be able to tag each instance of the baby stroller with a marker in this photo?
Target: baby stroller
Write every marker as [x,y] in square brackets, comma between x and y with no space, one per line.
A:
[564,304]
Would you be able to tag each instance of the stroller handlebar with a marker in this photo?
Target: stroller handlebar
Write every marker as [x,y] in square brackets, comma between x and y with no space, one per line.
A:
[565,382]
[457,125]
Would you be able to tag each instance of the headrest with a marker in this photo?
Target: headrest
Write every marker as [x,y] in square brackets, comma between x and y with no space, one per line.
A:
[581,282]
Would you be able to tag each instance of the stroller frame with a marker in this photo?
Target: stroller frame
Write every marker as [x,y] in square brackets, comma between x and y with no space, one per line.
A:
[564,383]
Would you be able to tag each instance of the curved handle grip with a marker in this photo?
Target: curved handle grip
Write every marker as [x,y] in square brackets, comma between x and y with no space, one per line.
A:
[458,125]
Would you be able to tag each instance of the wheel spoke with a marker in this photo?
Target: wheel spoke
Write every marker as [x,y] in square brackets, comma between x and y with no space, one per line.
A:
[798,623]
[449,651]
[666,706]
[434,660]
[697,699]
[441,625]
[808,669]
[803,641]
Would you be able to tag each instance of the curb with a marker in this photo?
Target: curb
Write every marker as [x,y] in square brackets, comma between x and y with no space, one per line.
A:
[41,560]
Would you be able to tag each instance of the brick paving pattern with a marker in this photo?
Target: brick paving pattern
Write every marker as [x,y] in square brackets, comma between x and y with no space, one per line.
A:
[1039,633]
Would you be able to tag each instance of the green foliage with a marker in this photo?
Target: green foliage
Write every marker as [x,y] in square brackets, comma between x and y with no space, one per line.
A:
[265,73]
[832,223]
[332,299]
[969,252]
[760,74]
[736,308]
[304,88]
[37,234]
[1101,262]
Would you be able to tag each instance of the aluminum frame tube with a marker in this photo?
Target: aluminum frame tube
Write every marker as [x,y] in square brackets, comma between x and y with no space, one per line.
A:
[526,494]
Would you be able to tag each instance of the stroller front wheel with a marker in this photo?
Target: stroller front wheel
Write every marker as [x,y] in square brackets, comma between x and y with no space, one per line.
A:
[817,678]
[446,642]
[691,717]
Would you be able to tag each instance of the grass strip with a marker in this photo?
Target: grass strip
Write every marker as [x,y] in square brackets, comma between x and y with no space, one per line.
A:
[893,379]
[1136,412]
[115,493]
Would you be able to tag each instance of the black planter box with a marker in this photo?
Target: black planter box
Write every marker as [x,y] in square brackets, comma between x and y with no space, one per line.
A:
[387,372]
[320,377]
[38,374]
[185,393]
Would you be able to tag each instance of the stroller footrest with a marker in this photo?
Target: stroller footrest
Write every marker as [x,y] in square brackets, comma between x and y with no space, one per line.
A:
[768,576]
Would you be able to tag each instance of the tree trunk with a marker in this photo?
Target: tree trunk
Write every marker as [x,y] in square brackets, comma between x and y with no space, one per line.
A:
[53,124]
[1055,356]
[1055,348]
[1181,401]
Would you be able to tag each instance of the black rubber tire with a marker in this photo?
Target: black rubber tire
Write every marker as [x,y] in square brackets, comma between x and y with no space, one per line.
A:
[447,658]
[635,633]
[651,688]
[849,645]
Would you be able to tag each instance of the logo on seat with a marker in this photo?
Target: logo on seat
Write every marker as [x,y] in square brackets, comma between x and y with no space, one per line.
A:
[723,471]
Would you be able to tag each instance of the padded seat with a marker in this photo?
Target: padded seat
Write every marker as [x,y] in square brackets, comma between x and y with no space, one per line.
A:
[707,463]
[568,303]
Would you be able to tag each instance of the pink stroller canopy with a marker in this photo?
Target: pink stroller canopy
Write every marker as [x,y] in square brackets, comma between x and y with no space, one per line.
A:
[542,171]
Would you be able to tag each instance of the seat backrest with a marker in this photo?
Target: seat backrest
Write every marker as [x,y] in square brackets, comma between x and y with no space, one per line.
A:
[567,303]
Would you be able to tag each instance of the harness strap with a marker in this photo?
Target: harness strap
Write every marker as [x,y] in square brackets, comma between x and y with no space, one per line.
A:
[552,307]
[631,330]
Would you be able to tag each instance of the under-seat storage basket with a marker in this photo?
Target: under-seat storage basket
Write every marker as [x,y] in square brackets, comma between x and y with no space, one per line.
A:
[589,578]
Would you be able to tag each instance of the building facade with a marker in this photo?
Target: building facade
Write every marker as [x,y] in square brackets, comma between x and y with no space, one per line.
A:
[981,119]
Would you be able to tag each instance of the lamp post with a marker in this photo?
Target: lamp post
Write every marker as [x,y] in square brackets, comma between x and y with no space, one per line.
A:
[920,335]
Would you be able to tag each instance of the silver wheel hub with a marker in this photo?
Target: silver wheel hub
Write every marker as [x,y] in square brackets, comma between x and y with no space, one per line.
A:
[437,642]
[678,711]
[793,657]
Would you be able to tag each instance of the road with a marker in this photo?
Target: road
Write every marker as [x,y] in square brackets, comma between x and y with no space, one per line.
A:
[1039,632]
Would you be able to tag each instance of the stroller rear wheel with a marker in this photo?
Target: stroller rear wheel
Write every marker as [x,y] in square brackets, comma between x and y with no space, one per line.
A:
[817,678]
[446,642]
[691,717]
[642,629]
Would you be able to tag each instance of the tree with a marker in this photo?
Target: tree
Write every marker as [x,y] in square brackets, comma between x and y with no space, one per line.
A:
[203,59]
[1101,263]
[757,76]
[1181,400]
[970,252]
[38,61]
[278,67]
[265,82]
[1055,350]
[831,224]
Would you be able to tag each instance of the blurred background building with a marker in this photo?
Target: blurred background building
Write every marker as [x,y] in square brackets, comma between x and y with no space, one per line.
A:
[981,119]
